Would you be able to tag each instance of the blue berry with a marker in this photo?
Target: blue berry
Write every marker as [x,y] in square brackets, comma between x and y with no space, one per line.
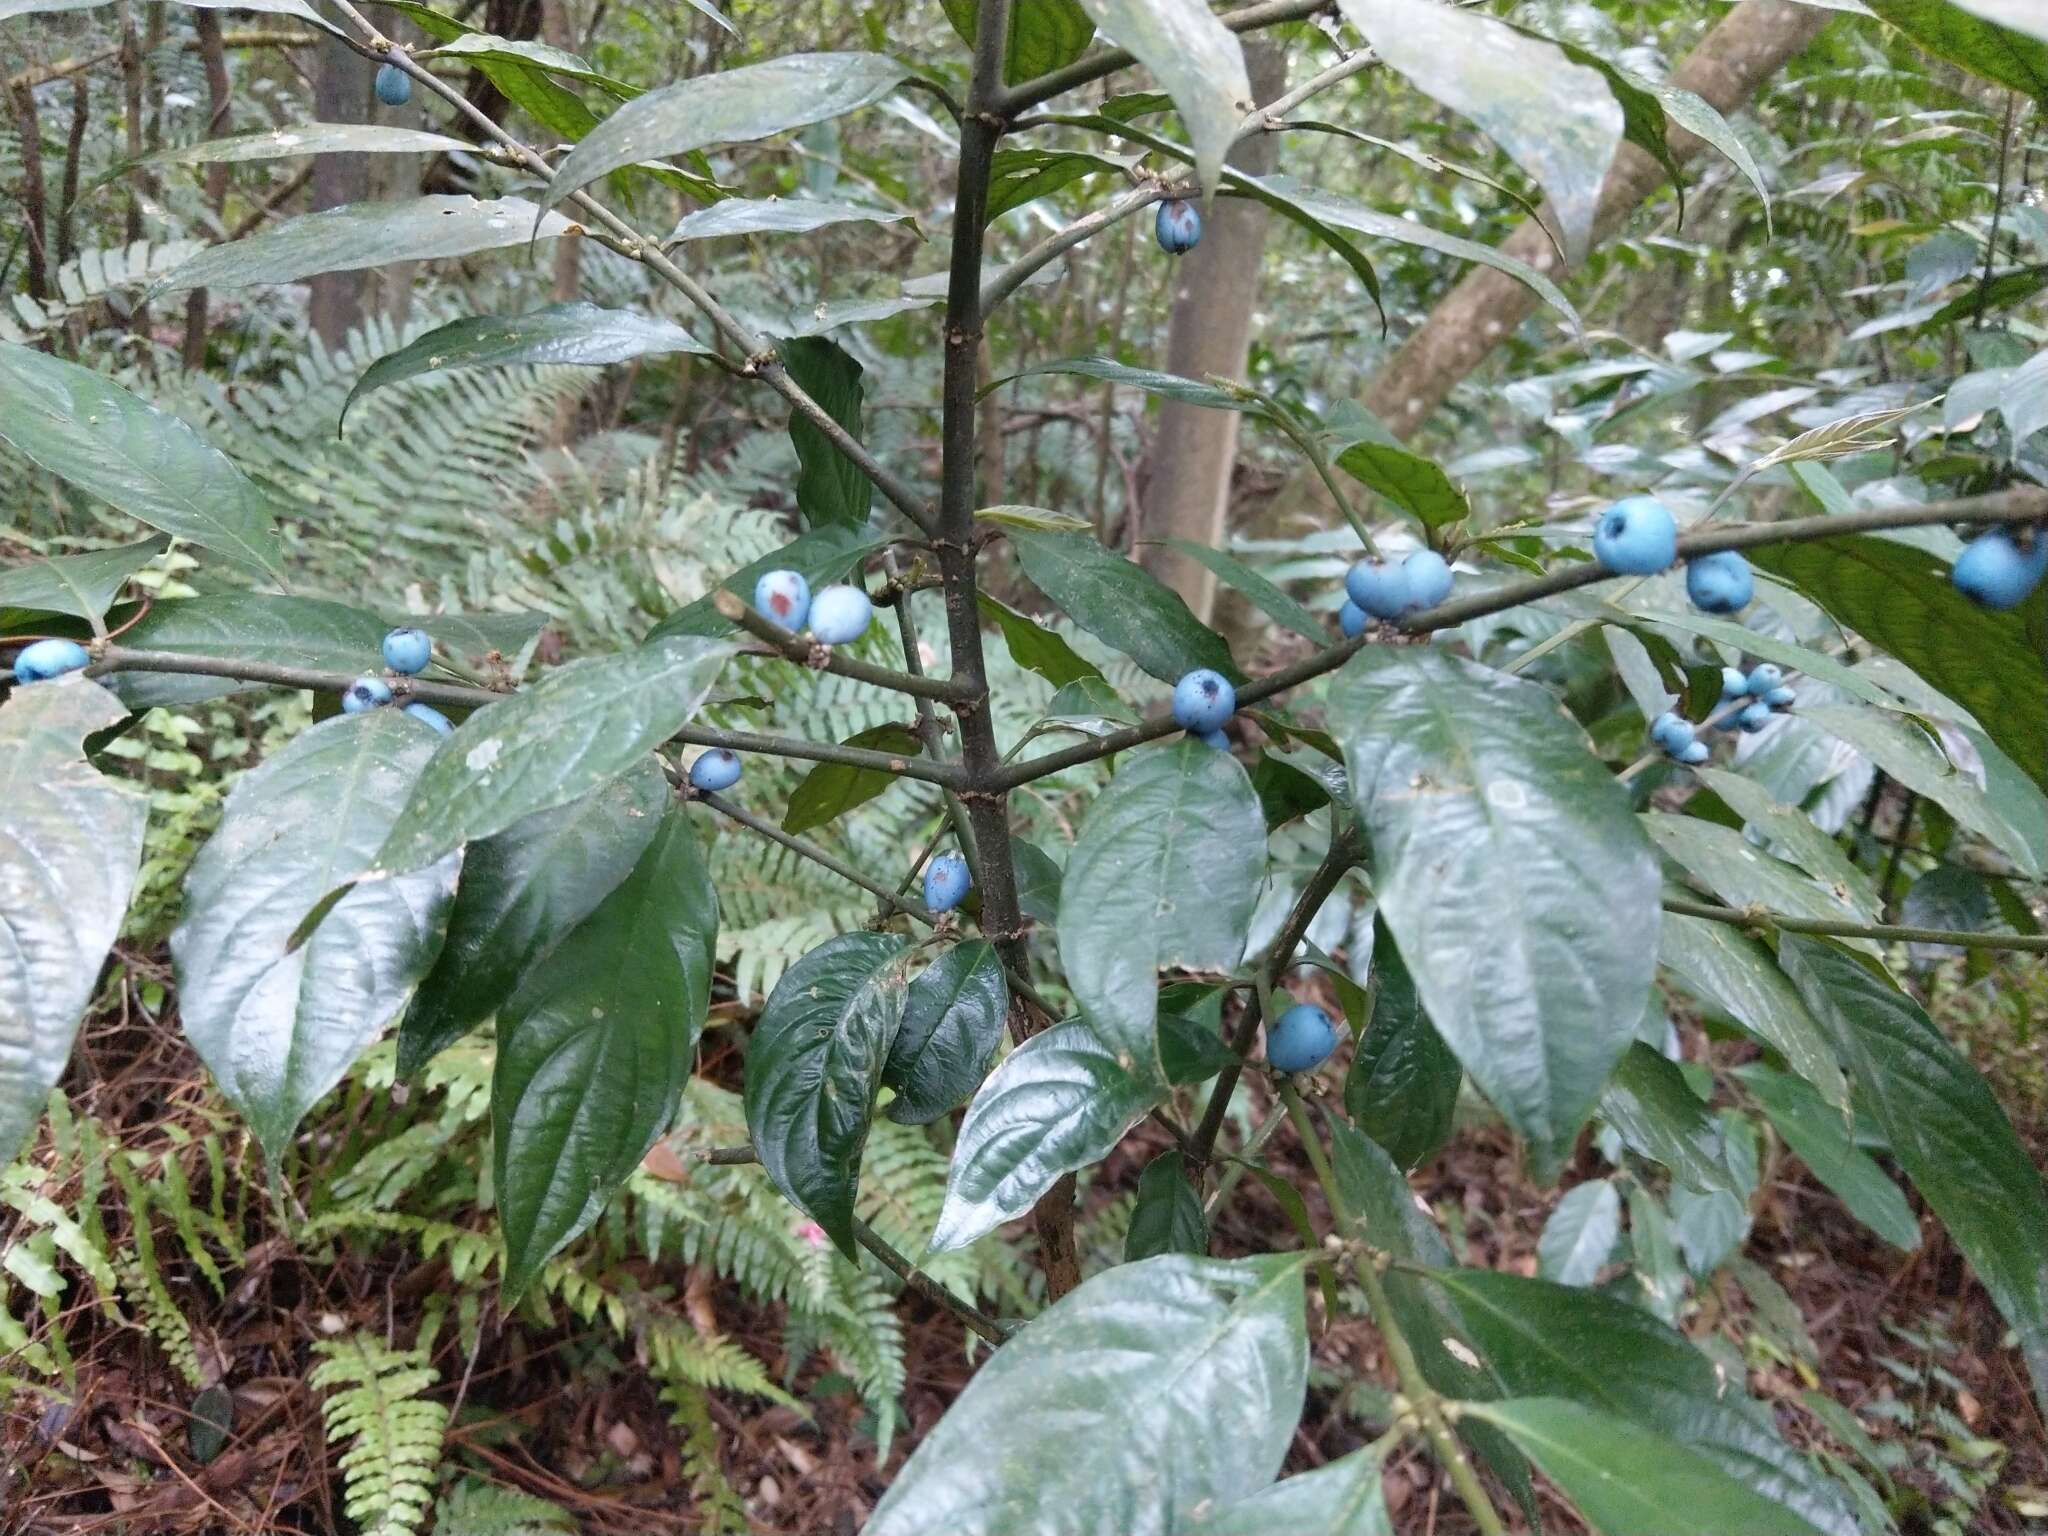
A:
[1428,576]
[365,693]
[1734,684]
[1302,1040]
[1378,588]
[1994,572]
[1203,700]
[1694,755]
[394,85]
[407,650]
[785,597]
[945,882]
[1351,619]
[841,615]
[716,770]
[1671,733]
[1780,698]
[1720,582]
[1754,717]
[45,659]
[428,715]
[1763,677]
[1214,739]
[1636,537]
[1178,226]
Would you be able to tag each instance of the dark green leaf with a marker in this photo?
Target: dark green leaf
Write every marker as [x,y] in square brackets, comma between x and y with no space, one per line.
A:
[1580,1235]
[520,895]
[359,235]
[1057,1103]
[83,585]
[1728,967]
[246,626]
[1726,863]
[527,86]
[574,731]
[733,106]
[1945,1128]
[830,790]
[1122,604]
[1151,1391]
[1659,1117]
[1019,176]
[594,1047]
[1403,1086]
[1165,870]
[1038,881]
[830,488]
[1034,646]
[774,216]
[1899,598]
[213,1420]
[1341,1499]
[1978,44]
[1631,1481]
[1261,593]
[814,1065]
[478,46]
[115,446]
[279,1027]
[952,1019]
[1168,1217]
[1044,35]
[1535,982]
[309,139]
[70,843]
[1416,485]
[1190,1050]
[1794,831]
[578,333]
[1286,790]
[821,557]
[1196,61]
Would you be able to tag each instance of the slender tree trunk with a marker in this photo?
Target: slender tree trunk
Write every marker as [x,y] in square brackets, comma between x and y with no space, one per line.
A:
[1731,64]
[34,199]
[1195,451]
[341,94]
[218,91]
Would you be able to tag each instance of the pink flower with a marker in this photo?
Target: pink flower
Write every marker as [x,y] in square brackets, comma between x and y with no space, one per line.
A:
[811,1233]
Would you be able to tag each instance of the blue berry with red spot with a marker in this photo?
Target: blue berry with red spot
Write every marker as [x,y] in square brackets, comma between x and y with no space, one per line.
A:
[785,597]
[1178,226]
[946,880]
[716,770]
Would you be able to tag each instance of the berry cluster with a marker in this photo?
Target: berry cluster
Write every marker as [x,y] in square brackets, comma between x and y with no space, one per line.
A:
[1203,702]
[406,652]
[836,616]
[1380,589]
[1748,700]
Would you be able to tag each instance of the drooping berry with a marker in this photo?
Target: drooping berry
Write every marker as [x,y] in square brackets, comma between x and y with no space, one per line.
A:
[1754,717]
[1178,226]
[394,85]
[426,714]
[785,597]
[1694,754]
[365,693]
[1780,698]
[1720,582]
[1301,1040]
[1637,536]
[1378,587]
[946,880]
[1763,677]
[1671,733]
[1995,572]
[1428,576]
[1352,619]
[716,770]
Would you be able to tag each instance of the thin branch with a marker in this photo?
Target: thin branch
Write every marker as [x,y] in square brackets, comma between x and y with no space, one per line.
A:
[1759,919]
[987,1328]
[1107,61]
[1018,272]
[2021,504]
[809,653]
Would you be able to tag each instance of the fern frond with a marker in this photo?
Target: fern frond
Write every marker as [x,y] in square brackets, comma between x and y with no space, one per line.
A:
[477,1508]
[719,1508]
[372,1400]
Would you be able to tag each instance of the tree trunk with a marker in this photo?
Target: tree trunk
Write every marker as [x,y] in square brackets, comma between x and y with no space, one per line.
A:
[1749,46]
[1195,451]
[213,55]
[341,94]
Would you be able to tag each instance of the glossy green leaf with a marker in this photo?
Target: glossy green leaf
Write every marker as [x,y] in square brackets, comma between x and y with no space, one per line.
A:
[521,894]
[830,790]
[1153,1391]
[527,86]
[2018,15]
[1712,1224]
[1043,519]
[830,487]
[1535,982]
[578,333]
[1416,485]
[1167,386]
[1255,589]
[1044,34]
[70,846]
[821,557]
[83,585]
[1899,598]
[479,46]
[1286,790]
[1822,1139]
[246,626]
[309,139]
[1402,1089]
[1038,880]
[359,235]
[594,1046]
[1165,870]
[814,1065]
[1190,1049]
[574,731]
[1578,1239]
[1978,42]
[278,1027]
[1019,176]
[1035,647]
[730,107]
[1729,968]
[1341,1499]
[1700,118]
[1945,1129]
[952,1019]
[1741,874]
[1057,1103]
[1795,832]
[1196,60]
[1658,1116]
[1631,1481]
[1122,604]
[115,446]
[1168,1216]
[774,216]
[9,9]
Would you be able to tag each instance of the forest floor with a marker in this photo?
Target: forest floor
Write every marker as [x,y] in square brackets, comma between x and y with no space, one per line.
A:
[1907,1341]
